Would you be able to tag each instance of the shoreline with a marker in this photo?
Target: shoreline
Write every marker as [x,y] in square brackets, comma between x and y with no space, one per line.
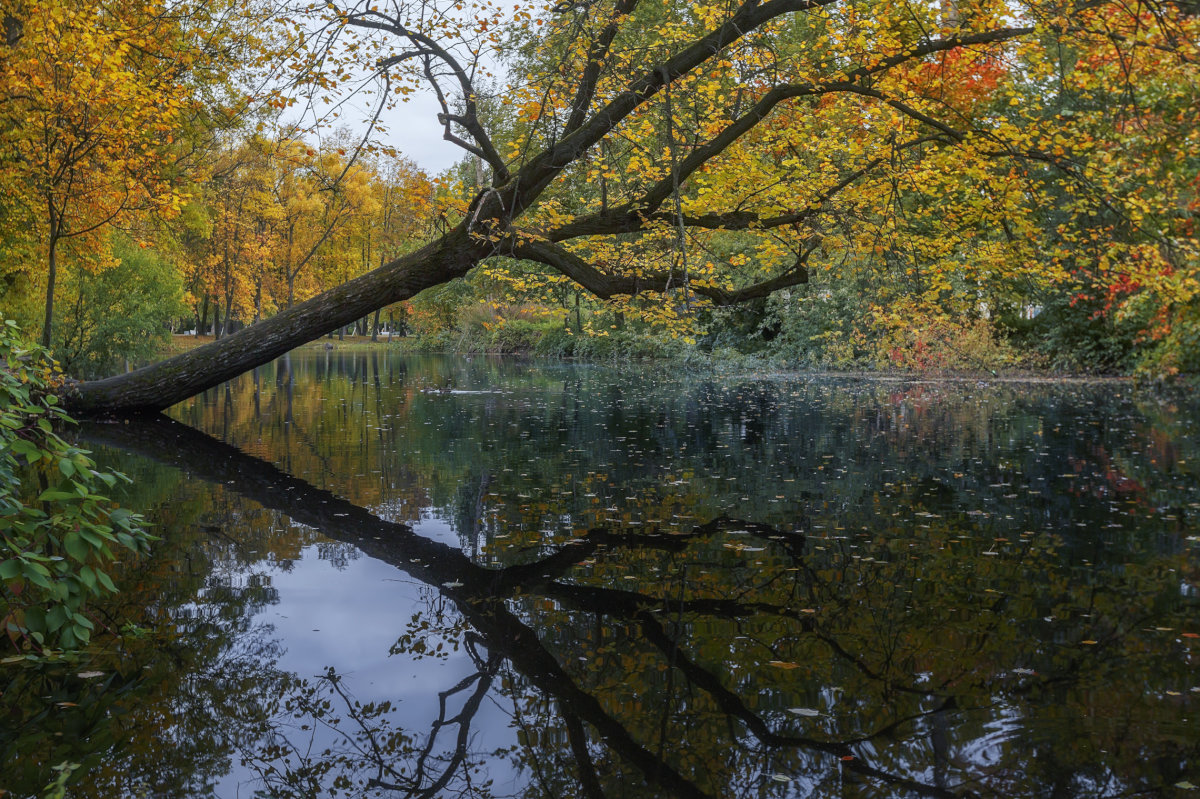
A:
[182,343]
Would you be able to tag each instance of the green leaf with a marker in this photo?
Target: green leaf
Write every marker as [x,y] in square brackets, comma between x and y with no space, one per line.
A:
[37,578]
[76,547]
[34,619]
[54,495]
[23,447]
[56,617]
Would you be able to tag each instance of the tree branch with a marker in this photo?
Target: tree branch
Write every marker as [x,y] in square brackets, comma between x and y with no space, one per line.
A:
[590,78]
[606,286]
[469,119]
[627,217]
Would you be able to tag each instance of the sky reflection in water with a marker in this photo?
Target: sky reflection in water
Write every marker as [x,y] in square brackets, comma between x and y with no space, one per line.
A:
[634,583]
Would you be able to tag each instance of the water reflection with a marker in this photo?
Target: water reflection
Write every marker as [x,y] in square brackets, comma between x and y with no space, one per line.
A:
[620,586]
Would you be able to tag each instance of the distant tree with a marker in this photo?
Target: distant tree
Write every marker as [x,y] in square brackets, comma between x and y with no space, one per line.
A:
[120,315]
[826,130]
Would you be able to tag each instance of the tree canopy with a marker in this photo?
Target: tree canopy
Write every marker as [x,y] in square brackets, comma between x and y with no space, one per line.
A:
[941,161]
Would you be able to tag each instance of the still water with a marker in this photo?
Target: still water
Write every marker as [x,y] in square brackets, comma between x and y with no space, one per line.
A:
[426,577]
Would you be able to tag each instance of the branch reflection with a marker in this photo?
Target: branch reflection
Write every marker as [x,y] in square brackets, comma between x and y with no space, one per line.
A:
[748,660]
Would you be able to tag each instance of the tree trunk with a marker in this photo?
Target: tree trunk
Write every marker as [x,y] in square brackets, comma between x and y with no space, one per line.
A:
[51,272]
[202,324]
[375,326]
[217,324]
[14,29]
[163,384]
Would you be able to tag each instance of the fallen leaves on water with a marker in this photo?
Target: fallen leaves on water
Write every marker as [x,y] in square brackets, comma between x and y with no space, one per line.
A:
[783,664]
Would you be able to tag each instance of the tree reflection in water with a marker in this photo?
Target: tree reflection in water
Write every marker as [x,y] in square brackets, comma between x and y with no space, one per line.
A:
[737,658]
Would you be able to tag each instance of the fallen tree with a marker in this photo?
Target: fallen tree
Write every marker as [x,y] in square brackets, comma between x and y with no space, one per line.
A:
[637,122]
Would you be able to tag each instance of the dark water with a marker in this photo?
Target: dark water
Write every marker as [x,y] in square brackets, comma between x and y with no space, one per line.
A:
[438,577]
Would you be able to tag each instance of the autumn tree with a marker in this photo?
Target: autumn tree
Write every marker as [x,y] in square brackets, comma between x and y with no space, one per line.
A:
[96,96]
[667,115]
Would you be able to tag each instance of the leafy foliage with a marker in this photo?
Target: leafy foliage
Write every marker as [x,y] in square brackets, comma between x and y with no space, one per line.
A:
[57,543]
[121,314]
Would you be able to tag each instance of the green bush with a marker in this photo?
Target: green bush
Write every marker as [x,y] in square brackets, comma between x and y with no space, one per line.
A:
[53,545]
[118,315]
[521,335]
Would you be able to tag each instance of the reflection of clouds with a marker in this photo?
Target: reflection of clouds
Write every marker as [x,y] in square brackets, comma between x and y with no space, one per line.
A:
[901,606]
[347,619]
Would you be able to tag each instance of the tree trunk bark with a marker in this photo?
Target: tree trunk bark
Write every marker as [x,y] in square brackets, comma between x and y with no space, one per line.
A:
[228,311]
[202,324]
[218,326]
[51,274]
[163,384]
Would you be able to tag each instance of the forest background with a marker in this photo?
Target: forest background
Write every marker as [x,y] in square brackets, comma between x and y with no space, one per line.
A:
[1008,202]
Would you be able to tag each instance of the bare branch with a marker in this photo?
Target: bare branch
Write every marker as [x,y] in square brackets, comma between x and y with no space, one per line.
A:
[468,119]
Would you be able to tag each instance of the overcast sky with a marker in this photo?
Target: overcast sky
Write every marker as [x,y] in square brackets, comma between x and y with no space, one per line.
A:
[413,129]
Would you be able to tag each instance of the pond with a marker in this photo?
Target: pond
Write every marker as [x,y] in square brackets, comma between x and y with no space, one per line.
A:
[399,576]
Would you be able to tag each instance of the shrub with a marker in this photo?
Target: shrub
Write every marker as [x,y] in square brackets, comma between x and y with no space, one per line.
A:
[53,546]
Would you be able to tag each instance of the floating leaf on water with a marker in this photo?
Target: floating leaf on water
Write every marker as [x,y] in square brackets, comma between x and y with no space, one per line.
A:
[90,675]
[1185,785]
[452,584]
[1088,642]
[781,778]
[804,711]
[783,664]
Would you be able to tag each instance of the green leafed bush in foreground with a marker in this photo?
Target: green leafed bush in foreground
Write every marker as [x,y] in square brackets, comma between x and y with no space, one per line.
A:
[56,541]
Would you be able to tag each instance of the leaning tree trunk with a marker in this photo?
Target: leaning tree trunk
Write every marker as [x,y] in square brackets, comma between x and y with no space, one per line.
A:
[156,387]
[160,385]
